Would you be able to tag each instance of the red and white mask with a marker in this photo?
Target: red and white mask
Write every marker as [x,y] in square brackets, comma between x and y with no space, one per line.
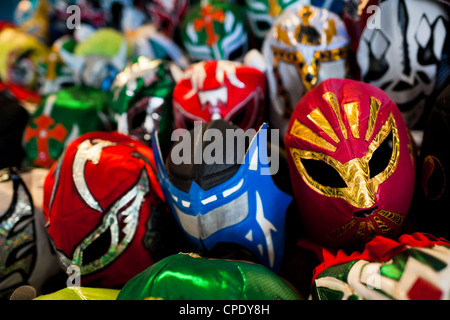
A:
[220,89]
[352,163]
[98,199]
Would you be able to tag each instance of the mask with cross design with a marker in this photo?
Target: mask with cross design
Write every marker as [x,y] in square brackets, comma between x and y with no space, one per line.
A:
[214,30]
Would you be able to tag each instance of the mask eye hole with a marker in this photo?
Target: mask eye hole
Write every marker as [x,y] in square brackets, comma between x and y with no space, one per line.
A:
[323,173]
[188,124]
[98,248]
[381,156]
[138,119]
[378,46]
[236,54]
[264,26]
[240,116]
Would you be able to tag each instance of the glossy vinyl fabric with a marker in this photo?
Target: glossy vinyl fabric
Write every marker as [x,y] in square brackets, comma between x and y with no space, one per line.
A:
[191,277]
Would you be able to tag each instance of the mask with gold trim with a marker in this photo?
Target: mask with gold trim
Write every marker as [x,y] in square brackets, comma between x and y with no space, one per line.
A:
[352,163]
[305,46]
[98,199]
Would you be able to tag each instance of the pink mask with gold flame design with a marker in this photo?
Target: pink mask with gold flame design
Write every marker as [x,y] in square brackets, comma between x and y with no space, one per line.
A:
[352,163]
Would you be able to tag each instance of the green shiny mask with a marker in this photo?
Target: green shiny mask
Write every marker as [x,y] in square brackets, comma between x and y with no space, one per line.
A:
[190,277]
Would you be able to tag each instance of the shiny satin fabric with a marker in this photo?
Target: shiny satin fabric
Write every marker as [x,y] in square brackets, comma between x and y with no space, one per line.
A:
[191,277]
[358,136]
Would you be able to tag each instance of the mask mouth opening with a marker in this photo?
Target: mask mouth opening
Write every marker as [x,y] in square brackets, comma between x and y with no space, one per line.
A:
[365,213]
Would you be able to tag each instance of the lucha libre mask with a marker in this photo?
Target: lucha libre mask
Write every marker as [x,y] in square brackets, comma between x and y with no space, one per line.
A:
[416,267]
[60,119]
[211,90]
[215,30]
[26,257]
[20,57]
[177,277]
[262,13]
[92,65]
[140,95]
[97,201]
[166,15]
[232,202]
[352,163]
[405,52]
[305,46]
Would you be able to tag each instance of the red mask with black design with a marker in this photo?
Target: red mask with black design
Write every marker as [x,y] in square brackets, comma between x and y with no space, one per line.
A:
[352,163]
[97,201]
[212,90]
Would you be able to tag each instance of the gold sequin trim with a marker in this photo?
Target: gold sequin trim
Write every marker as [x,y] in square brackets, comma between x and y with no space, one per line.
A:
[333,102]
[361,188]
[301,131]
[352,112]
[374,108]
[319,120]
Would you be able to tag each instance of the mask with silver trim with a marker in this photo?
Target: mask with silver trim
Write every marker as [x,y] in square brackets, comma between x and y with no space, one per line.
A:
[233,203]
[98,199]
[142,96]
[26,257]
